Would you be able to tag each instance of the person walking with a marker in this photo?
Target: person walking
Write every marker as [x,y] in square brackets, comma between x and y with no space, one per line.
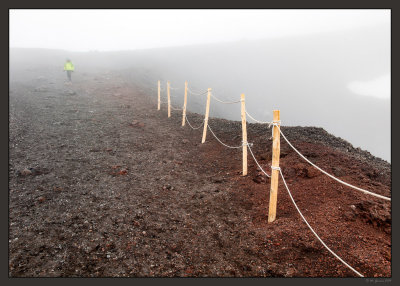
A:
[69,68]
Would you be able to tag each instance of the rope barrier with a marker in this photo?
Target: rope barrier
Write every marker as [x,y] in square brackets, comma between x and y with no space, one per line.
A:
[174,95]
[258,121]
[194,93]
[174,87]
[331,176]
[312,230]
[174,108]
[233,147]
[155,89]
[194,128]
[225,102]
[251,152]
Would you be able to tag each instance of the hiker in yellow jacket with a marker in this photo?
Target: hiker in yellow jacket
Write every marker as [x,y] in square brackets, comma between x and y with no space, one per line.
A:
[69,68]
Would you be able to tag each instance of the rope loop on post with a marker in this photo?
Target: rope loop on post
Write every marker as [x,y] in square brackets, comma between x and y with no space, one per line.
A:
[274,123]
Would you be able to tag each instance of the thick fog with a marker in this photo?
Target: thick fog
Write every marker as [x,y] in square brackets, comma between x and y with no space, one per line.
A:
[335,79]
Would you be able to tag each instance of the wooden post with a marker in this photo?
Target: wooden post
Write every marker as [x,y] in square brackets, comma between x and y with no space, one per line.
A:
[244,135]
[184,106]
[169,100]
[206,116]
[274,173]
[159,99]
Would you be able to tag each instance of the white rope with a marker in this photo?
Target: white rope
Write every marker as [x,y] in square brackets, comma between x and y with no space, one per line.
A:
[174,87]
[225,102]
[174,108]
[251,152]
[233,147]
[194,93]
[274,123]
[174,95]
[194,128]
[316,235]
[262,122]
[156,89]
[333,177]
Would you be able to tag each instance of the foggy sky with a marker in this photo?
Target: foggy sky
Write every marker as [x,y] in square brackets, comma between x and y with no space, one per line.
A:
[106,30]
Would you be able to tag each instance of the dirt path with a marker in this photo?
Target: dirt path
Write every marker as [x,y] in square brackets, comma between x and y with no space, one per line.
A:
[118,189]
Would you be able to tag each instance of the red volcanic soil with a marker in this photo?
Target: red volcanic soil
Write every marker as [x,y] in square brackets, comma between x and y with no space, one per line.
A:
[101,184]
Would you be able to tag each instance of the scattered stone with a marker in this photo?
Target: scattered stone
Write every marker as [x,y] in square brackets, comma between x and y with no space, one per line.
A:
[312,172]
[283,153]
[338,172]
[184,141]
[136,123]
[31,171]
[218,180]
[258,179]
[41,199]
[266,157]
[25,172]
[168,187]
[289,172]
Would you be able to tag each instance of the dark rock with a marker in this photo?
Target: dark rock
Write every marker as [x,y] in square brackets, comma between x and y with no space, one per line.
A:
[283,153]
[136,123]
[218,180]
[265,157]
[25,172]
[338,172]
[311,172]
[258,179]
[289,172]
[379,215]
